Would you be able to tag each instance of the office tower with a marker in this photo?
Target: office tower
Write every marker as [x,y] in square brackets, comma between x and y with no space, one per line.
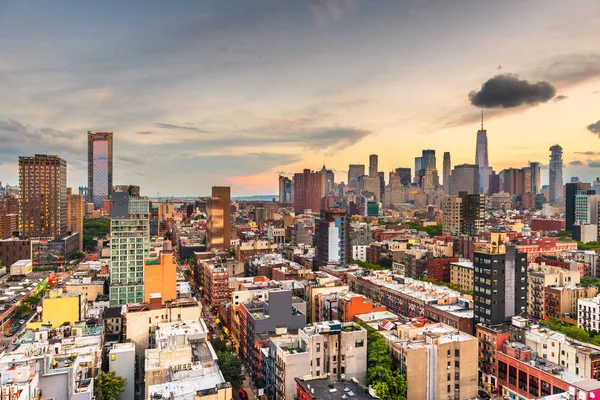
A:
[447,170]
[577,210]
[307,191]
[418,167]
[327,181]
[218,220]
[43,196]
[526,179]
[512,181]
[381,177]
[354,171]
[500,291]
[464,178]
[130,241]
[405,176]
[556,178]
[429,160]
[75,212]
[534,184]
[481,149]
[285,189]
[430,180]
[100,167]
[332,238]
[373,165]
[368,184]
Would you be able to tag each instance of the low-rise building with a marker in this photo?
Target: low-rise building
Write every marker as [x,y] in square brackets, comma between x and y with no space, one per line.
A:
[140,320]
[561,302]
[324,389]
[461,274]
[540,276]
[89,289]
[437,361]
[336,349]
[121,358]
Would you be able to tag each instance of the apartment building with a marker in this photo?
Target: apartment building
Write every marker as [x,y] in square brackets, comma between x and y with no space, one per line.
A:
[561,302]
[336,349]
[140,321]
[437,361]
[540,276]
[461,274]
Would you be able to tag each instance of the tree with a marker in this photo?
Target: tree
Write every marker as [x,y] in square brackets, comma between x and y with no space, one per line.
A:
[219,345]
[109,386]
[231,368]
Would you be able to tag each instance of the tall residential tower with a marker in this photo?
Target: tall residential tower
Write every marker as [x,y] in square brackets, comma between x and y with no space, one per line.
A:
[447,171]
[129,245]
[43,196]
[218,221]
[100,167]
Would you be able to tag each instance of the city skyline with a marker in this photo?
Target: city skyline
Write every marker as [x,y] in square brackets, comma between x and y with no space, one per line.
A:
[231,94]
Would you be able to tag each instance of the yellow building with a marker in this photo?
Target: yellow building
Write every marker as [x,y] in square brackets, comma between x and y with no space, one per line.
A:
[461,274]
[90,290]
[59,307]
[160,275]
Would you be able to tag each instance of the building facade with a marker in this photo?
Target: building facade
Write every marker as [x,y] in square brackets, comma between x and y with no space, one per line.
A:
[130,240]
[43,196]
[218,219]
[100,167]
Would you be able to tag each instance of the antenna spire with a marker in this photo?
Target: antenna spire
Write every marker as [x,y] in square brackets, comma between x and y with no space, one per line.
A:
[482,119]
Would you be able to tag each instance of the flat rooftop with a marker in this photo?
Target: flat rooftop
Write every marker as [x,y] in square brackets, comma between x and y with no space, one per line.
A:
[205,381]
[324,389]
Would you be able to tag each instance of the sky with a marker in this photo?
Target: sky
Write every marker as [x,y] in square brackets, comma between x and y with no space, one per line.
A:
[203,93]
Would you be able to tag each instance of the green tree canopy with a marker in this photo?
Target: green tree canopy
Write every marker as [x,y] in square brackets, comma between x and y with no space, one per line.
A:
[109,386]
[231,368]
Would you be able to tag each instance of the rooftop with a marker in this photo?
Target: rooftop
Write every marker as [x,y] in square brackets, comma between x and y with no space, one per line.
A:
[324,389]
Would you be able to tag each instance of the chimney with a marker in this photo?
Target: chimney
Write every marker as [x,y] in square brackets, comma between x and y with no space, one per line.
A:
[155,301]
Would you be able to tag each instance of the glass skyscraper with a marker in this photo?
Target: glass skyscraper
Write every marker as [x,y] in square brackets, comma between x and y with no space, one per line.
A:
[100,163]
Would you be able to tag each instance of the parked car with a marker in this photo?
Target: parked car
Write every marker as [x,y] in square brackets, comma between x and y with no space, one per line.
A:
[484,395]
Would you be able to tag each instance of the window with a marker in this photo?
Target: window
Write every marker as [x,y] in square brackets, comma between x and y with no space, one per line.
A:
[359,343]
[456,353]
[319,347]
[318,363]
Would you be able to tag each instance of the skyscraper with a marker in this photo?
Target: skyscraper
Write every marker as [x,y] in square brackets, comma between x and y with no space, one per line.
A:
[535,177]
[481,159]
[218,220]
[130,242]
[464,178]
[577,204]
[100,167]
[373,165]
[354,171]
[446,171]
[405,177]
[43,196]
[429,161]
[381,176]
[75,212]
[327,181]
[512,181]
[285,189]
[418,167]
[556,178]
[333,238]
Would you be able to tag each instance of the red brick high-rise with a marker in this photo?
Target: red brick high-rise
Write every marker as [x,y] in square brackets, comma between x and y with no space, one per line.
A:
[307,191]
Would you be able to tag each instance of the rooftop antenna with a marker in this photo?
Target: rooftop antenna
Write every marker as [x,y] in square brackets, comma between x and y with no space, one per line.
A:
[482,119]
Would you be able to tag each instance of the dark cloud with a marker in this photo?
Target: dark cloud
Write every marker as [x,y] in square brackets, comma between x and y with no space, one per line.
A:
[18,139]
[593,164]
[146,132]
[576,163]
[595,127]
[588,153]
[560,97]
[507,91]
[178,127]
